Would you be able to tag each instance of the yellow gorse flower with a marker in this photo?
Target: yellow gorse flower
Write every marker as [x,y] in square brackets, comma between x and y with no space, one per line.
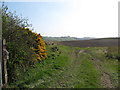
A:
[41,47]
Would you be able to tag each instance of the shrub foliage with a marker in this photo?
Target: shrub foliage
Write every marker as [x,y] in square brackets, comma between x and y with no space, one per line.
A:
[25,46]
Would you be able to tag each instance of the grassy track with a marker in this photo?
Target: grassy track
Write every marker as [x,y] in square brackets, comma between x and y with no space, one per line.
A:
[71,67]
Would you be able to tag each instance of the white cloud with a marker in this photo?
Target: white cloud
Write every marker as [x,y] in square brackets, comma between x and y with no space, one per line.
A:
[95,18]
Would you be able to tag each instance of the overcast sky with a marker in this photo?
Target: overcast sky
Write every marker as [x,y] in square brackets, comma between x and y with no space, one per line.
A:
[76,18]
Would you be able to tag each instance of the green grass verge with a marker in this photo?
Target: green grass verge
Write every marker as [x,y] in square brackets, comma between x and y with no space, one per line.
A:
[88,75]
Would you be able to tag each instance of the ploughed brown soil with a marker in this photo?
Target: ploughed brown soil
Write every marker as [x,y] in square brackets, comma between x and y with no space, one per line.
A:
[102,42]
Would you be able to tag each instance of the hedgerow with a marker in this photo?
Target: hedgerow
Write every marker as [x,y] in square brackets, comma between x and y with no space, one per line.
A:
[25,46]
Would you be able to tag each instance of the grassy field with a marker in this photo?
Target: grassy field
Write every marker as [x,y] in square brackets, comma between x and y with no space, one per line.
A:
[71,67]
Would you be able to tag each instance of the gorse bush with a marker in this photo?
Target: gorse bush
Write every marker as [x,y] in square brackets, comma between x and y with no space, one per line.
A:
[25,46]
[39,49]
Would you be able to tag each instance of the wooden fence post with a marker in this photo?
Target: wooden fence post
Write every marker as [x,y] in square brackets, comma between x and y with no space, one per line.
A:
[1,64]
[5,58]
